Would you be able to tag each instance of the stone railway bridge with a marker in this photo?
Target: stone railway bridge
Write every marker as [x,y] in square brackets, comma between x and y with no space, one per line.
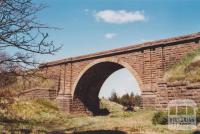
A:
[79,79]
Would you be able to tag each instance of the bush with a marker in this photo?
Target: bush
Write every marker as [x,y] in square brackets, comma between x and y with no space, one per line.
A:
[127,100]
[138,100]
[160,118]
[114,97]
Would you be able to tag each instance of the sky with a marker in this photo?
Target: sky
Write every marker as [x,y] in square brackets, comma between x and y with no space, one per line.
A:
[89,26]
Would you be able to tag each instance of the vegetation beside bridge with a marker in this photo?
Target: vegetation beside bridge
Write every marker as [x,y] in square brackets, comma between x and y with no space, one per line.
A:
[187,69]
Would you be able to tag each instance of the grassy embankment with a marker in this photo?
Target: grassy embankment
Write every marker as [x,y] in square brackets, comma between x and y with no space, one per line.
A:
[187,69]
[42,116]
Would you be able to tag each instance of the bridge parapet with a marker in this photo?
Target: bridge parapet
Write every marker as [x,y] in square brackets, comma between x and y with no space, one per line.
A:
[151,44]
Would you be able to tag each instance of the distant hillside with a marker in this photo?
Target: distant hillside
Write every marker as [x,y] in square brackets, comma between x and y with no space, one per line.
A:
[187,69]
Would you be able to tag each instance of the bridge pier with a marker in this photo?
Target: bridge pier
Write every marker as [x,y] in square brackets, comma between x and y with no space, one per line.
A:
[64,102]
[148,99]
[69,105]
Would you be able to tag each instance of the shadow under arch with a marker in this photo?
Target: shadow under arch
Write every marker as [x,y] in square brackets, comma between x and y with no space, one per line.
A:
[89,82]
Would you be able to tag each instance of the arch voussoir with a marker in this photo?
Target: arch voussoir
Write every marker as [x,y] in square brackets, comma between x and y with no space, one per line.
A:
[90,80]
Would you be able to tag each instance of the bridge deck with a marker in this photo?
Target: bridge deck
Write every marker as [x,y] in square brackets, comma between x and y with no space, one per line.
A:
[162,42]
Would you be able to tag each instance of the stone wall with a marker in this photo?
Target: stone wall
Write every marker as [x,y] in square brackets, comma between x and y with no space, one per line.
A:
[43,93]
[168,91]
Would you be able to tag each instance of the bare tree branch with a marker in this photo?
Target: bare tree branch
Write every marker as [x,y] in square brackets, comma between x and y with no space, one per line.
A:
[20,31]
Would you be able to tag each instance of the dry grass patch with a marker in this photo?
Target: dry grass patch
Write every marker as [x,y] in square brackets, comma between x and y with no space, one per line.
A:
[187,69]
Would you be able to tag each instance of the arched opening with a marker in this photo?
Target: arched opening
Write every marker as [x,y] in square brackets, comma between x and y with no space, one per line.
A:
[88,86]
[121,82]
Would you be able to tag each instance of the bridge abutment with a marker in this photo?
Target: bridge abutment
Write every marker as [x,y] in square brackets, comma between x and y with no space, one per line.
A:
[64,102]
[148,99]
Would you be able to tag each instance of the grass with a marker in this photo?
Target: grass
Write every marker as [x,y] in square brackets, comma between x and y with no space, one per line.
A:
[42,116]
[31,114]
[187,69]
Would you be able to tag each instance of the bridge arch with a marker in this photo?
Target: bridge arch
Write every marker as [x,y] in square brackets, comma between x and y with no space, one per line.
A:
[90,80]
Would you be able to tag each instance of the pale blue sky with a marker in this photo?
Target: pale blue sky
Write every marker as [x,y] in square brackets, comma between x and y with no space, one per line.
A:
[88,26]
[121,82]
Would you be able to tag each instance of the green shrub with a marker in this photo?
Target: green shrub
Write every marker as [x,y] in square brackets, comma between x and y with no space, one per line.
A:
[160,118]
[114,97]
[138,100]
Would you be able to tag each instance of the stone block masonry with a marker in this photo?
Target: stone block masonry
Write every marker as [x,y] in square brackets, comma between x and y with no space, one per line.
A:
[177,90]
[79,79]
[43,93]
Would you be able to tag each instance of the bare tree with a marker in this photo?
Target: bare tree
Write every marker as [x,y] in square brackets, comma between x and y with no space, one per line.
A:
[20,31]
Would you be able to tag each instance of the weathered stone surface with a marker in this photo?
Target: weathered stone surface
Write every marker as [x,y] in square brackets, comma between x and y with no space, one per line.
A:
[178,90]
[44,93]
[82,77]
